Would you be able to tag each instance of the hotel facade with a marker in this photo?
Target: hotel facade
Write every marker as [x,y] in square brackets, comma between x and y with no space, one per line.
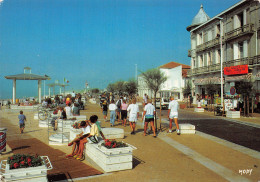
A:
[231,37]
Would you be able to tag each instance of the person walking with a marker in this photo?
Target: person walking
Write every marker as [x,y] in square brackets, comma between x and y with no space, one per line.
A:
[145,97]
[149,113]
[22,119]
[124,112]
[112,108]
[104,109]
[173,114]
[118,110]
[133,110]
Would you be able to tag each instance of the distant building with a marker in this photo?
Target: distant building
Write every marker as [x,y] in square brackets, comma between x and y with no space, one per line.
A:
[177,76]
[238,27]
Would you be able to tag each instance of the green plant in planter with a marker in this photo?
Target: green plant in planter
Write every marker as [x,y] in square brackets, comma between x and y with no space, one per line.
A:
[24,161]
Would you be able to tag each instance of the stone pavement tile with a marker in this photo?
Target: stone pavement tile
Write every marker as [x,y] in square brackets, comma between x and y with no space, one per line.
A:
[223,155]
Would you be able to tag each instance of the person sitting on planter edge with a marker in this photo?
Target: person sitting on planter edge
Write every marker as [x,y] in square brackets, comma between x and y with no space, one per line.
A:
[79,142]
[95,129]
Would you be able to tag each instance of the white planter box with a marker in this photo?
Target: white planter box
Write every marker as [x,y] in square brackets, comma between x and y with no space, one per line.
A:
[31,174]
[199,110]
[113,133]
[110,159]
[44,123]
[187,129]
[74,132]
[78,118]
[36,116]
[233,114]
[187,126]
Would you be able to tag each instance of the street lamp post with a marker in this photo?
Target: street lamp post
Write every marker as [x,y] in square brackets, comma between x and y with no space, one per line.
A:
[221,59]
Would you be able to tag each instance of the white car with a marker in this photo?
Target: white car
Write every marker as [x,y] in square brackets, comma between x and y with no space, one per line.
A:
[164,103]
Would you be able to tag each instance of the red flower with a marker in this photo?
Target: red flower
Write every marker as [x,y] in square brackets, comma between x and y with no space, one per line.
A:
[114,146]
[29,163]
[16,165]
[106,140]
[11,158]
[21,158]
[22,162]
[29,160]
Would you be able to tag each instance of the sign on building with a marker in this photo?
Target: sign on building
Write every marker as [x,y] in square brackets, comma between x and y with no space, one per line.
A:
[236,70]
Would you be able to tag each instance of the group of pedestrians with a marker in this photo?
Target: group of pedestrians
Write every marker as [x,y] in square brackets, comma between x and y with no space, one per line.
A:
[123,111]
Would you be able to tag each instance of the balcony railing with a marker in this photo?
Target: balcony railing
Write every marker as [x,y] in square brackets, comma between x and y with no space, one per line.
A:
[208,44]
[250,61]
[244,30]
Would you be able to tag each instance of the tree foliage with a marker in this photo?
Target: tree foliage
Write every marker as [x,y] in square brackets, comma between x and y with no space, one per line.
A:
[131,87]
[95,91]
[154,78]
[187,89]
[111,87]
[119,87]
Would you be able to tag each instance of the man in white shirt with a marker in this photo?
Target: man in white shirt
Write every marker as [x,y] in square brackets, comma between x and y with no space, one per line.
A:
[133,110]
[149,113]
[173,114]
[68,110]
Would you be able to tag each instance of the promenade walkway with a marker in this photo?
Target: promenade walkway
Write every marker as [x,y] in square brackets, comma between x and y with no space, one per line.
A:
[166,158]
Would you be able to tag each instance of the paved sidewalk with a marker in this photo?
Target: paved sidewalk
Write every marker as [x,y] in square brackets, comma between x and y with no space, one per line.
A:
[166,158]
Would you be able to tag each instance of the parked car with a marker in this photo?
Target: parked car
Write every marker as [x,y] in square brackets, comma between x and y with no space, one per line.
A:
[164,103]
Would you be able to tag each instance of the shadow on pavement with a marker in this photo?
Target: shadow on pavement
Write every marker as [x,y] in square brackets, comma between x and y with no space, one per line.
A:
[137,161]
[57,177]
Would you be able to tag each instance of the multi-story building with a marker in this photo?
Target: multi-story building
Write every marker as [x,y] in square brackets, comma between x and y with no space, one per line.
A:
[237,29]
[176,74]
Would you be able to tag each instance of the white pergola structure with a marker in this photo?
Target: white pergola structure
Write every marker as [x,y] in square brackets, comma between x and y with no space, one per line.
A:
[27,76]
[53,85]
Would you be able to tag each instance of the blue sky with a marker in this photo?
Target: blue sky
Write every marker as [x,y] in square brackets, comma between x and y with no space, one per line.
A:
[98,41]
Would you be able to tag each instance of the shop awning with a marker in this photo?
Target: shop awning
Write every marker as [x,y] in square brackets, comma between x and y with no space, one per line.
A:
[238,77]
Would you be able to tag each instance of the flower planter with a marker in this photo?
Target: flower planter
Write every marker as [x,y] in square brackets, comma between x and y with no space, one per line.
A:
[74,132]
[30,174]
[110,159]
[233,114]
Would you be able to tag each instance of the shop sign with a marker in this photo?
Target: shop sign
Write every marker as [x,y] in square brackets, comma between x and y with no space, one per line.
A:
[236,70]
[232,90]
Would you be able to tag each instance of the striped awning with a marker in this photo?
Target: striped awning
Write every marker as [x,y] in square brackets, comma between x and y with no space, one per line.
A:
[205,81]
[238,77]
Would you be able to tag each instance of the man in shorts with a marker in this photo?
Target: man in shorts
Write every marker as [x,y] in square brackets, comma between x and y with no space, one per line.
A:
[173,114]
[149,113]
[22,119]
[133,110]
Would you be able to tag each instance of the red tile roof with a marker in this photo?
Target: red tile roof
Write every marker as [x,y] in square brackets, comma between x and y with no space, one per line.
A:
[173,65]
